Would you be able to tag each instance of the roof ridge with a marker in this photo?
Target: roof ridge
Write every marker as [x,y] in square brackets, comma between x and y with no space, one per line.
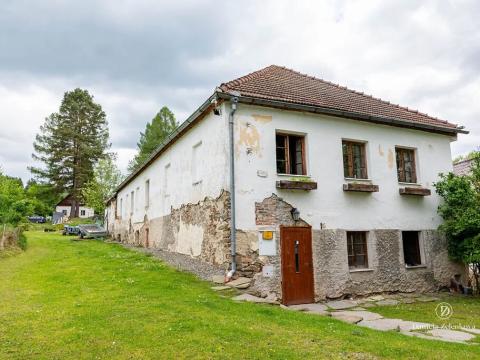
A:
[414,111]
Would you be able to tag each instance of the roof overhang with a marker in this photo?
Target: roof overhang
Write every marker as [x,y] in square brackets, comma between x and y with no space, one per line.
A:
[286,105]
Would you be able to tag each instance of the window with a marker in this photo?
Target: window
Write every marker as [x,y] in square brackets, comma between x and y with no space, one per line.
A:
[196,163]
[147,194]
[406,170]
[354,160]
[290,154]
[82,212]
[64,212]
[121,207]
[167,180]
[126,205]
[411,248]
[132,202]
[357,249]
[137,203]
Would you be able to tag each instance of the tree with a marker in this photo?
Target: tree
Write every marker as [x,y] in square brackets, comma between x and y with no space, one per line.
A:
[14,206]
[70,142]
[104,182]
[42,196]
[155,133]
[460,211]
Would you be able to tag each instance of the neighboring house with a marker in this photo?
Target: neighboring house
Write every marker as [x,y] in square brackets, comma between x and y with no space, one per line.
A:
[65,207]
[333,190]
[463,167]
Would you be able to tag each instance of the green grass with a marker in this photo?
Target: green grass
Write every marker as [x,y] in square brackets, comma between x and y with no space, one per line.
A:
[63,299]
[466,311]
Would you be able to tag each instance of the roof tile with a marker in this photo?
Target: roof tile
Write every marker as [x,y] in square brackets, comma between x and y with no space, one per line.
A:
[282,84]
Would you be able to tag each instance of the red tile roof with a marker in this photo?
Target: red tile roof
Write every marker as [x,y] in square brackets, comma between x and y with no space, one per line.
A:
[281,84]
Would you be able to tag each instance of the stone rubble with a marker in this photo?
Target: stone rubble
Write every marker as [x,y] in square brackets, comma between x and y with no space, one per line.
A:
[240,283]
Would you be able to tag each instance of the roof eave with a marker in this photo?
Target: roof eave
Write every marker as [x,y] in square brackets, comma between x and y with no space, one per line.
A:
[341,113]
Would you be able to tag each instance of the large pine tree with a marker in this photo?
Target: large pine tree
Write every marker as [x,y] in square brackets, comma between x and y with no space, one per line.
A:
[70,142]
[155,132]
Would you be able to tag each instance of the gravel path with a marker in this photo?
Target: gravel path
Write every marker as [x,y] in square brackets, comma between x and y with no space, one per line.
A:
[182,262]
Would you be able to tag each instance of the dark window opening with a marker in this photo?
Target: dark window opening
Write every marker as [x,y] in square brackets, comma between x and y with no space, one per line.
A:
[354,160]
[82,212]
[411,248]
[406,168]
[290,154]
[357,249]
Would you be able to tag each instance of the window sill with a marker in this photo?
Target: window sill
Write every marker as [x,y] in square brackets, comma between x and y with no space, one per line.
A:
[360,187]
[415,267]
[296,185]
[417,191]
[356,179]
[360,270]
[293,175]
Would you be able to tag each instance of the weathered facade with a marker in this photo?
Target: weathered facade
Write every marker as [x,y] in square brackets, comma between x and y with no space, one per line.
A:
[357,181]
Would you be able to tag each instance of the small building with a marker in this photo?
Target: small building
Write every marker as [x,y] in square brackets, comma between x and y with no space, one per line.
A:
[64,207]
[331,192]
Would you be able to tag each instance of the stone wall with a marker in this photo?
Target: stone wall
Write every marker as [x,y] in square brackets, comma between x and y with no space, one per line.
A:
[200,230]
[386,271]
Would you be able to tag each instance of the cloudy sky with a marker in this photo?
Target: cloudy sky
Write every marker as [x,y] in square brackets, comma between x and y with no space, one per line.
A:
[135,56]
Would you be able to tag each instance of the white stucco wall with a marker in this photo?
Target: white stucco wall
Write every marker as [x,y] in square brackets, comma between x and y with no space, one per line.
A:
[88,211]
[173,177]
[329,204]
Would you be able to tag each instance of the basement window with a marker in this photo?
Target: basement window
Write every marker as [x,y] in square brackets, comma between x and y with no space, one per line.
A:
[406,167]
[411,248]
[354,160]
[357,250]
[290,154]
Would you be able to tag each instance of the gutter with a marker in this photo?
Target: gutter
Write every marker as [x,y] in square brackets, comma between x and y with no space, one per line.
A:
[233,235]
[345,114]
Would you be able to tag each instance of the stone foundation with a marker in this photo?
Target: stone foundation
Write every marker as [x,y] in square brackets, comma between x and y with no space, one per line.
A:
[199,230]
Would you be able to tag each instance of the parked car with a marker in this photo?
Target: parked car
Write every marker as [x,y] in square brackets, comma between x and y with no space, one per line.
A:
[92,231]
[71,230]
[37,219]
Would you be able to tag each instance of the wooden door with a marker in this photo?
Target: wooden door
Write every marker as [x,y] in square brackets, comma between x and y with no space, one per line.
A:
[297,267]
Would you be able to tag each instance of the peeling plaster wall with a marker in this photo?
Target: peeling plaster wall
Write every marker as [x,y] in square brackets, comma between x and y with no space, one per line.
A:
[329,204]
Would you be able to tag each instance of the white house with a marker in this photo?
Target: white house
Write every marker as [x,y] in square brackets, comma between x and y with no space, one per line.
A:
[64,207]
[333,190]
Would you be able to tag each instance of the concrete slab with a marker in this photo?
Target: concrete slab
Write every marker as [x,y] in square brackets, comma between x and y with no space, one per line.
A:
[368,305]
[427,299]
[376,298]
[451,334]
[472,330]
[382,324]
[315,307]
[408,301]
[218,279]
[348,318]
[387,302]
[220,288]
[428,337]
[240,283]
[366,315]
[414,325]
[341,304]
[254,299]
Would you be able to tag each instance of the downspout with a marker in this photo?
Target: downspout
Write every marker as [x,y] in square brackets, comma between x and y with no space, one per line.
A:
[233,237]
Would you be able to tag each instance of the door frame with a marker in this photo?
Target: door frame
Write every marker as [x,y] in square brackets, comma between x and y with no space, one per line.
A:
[284,228]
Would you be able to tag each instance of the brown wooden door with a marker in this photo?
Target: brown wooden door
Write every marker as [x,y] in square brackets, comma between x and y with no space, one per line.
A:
[297,267]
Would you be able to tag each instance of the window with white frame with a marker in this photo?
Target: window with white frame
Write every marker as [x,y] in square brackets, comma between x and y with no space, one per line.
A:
[147,194]
[196,163]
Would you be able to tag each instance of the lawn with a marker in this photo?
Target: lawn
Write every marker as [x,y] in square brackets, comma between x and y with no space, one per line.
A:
[63,299]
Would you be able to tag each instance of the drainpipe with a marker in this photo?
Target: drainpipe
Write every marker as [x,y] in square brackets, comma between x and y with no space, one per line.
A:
[233,237]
